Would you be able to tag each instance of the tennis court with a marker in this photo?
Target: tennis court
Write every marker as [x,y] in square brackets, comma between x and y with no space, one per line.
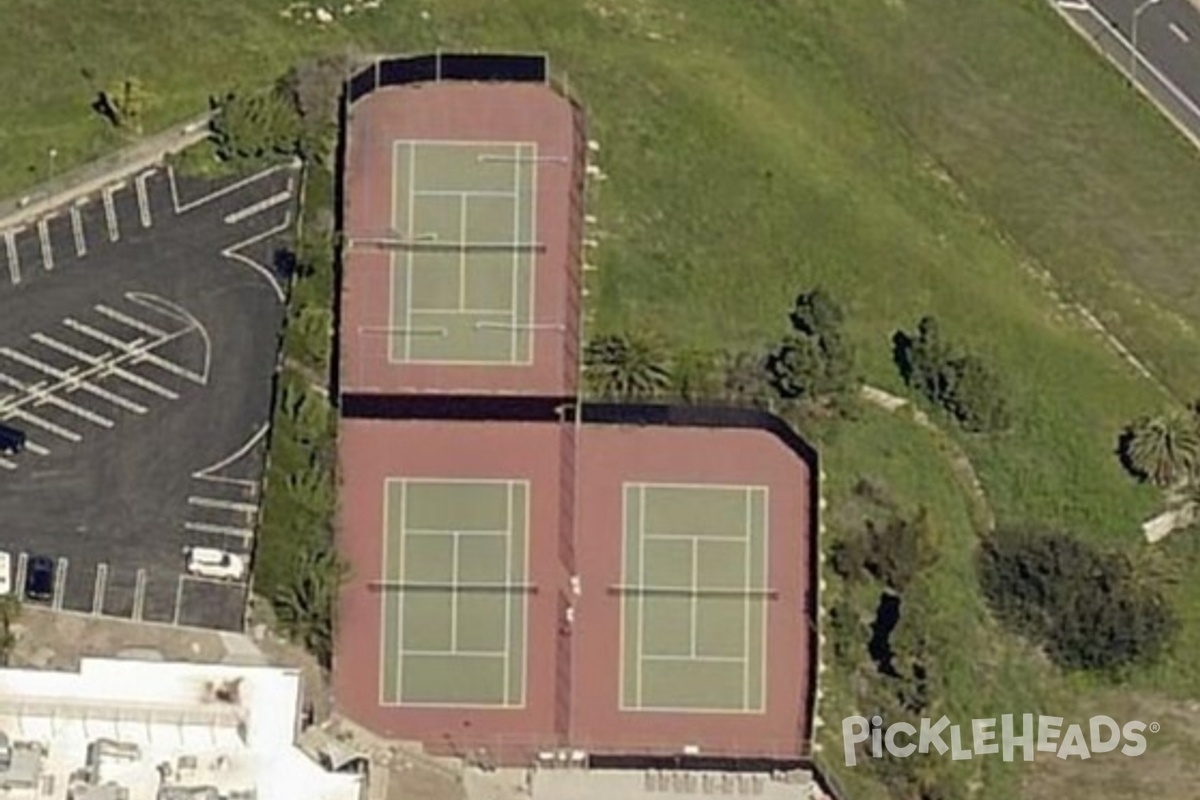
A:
[454,593]
[462,267]
[694,598]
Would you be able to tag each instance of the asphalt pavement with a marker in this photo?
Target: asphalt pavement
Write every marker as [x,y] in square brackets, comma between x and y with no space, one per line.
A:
[1166,61]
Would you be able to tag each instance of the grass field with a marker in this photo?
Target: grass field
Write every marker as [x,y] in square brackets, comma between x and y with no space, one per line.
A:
[913,156]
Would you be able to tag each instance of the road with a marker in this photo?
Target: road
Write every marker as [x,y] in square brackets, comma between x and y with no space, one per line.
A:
[1168,49]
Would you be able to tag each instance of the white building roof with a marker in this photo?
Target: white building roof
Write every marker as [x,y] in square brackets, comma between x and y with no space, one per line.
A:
[230,728]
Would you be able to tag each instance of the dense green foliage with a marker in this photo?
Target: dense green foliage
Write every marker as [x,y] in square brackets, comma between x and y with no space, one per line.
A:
[815,360]
[1085,606]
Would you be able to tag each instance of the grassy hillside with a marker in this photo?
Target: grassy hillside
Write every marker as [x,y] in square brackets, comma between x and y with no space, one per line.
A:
[913,156]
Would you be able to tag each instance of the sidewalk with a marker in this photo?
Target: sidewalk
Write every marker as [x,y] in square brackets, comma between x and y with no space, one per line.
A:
[92,177]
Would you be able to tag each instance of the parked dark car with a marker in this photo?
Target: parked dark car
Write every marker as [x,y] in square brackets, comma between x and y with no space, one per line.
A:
[39,579]
[12,441]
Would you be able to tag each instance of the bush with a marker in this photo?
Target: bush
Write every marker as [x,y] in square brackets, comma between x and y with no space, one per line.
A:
[816,360]
[959,383]
[1084,606]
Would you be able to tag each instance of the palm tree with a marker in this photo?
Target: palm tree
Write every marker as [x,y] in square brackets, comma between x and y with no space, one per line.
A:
[626,367]
[1164,449]
[305,606]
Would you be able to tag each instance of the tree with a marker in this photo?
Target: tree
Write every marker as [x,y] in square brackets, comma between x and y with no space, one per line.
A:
[1164,449]
[960,383]
[625,367]
[1086,607]
[306,604]
[257,128]
[123,103]
[816,313]
[816,360]
[796,368]
[745,378]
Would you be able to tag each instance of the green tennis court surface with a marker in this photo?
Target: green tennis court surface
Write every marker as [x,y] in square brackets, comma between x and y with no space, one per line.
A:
[694,595]
[462,284]
[454,593]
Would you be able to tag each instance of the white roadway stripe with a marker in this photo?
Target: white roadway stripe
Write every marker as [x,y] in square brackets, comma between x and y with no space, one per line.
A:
[60,583]
[77,232]
[6,464]
[36,448]
[49,398]
[72,382]
[129,321]
[98,589]
[257,208]
[110,369]
[224,530]
[1179,32]
[14,261]
[49,427]
[138,348]
[233,187]
[43,229]
[139,595]
[110,213]
[22,565]
[227,505]
[143,204]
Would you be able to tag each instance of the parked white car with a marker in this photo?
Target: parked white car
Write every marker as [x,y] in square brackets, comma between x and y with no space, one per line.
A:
[209,562]
[5,574]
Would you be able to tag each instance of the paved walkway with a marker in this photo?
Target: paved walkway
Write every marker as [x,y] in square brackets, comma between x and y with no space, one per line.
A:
[92,177]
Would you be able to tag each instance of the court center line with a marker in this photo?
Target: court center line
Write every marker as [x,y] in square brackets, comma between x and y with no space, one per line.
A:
[514,263]
[408,254]
[508,595]
[692,599]
[462,253]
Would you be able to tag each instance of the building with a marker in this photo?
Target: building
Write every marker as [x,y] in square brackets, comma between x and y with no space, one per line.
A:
[133,730]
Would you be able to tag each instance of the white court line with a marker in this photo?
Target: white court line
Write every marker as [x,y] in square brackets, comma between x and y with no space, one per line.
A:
[71,381]
[14,260]
[1179,32]
[454,553]
[60,583]
[139,184]
[225,530]
[44,397]
[77,232]
[514,263]
[110,212]
[139,597]
[259,207]
[471,653]
[109,367]
[138,348]
[692,659]
[98,589]
[129,321]
[36,421]
[43,229]
[225,505]
[408,258]
[508,596]
[641,644]
[698,537]
[746,565]
[462,256]
[693,599]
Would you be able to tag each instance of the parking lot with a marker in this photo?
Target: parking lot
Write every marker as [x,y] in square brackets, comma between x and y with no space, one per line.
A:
[138,339]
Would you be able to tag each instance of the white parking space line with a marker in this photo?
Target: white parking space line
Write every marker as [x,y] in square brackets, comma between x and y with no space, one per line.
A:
[36,448]
[110,212]
[245,534]
[19,578]
[143,202]
[44,397]
[138,347]
[43,229]
[14,261]
[233,187]
[131,322]
[77,231]
[259,207]
[98,590]
[1179,32]
[72,381]
[110,368]
[60,583]
[178,599]
[139,595]
[227,505]
[6,464]
[46,425]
